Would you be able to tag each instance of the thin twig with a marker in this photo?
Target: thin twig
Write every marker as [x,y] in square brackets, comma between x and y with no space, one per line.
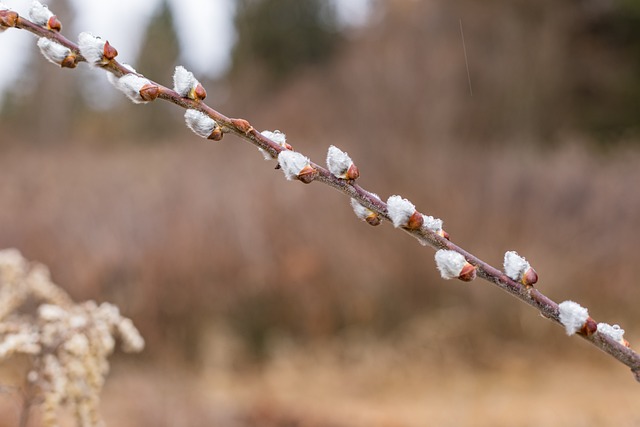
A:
[241,128]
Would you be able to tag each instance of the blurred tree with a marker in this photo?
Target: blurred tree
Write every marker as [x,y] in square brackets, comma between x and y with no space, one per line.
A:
[607,100]
[275,37]
[158,55]
[44,101]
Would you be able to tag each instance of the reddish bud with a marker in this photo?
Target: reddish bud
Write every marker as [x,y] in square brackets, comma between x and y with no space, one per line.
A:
[288,146]
[353,172]
[109,52]
[54,23]
[307,174]
[373,219]
[8,18]
[242,125]
[530,277]
[217,134]
[149,92]
[199,92]
[468,273]
[69,61]
[589,328]
[415,221]
[444,234]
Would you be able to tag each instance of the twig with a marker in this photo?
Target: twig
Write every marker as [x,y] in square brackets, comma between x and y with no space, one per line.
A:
[243,129]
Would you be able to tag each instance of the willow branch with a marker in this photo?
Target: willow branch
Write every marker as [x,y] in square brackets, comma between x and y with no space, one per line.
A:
[521,289]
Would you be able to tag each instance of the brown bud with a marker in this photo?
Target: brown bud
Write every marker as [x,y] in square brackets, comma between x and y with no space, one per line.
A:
[69,61]
[530,277]
[444,234]
[288,146]
[307,174]
[626,343]
[149,92]
[199,93]
[8,18]
[242,125]
[54,23]
[415,221]
[373,219]
[352,172]
[217,134]
[589,328]
[109,52]
[468,273]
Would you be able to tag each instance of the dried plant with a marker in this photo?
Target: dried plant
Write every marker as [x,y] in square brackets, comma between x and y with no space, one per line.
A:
[67,343]
[517,277]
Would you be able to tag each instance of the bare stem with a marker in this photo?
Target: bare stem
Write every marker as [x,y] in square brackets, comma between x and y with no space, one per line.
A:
[241,128]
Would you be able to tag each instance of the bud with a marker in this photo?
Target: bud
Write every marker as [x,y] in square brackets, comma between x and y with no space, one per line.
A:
[277,137]
[41,15]
[517,268]
[403,213]
[132,85]
[8,18]
[55,52]
[572,316]
[364,213]
[149,92]
[187,85]
[296,166]
[615,332]
[340,164]
[453,265]
[202,125]
[95,50]
[242,125]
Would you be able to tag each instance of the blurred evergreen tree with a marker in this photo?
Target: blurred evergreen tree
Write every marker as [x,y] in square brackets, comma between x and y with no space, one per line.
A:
[275,37]
[157,59]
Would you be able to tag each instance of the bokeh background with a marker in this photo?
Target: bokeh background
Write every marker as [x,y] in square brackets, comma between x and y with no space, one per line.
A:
[266,302]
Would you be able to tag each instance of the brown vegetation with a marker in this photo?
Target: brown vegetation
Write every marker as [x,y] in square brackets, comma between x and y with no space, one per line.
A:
[344,318]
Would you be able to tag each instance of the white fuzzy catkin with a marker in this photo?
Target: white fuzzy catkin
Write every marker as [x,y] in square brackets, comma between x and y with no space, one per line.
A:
[338,162]
[184,82]
[361,211]
[515,265]
[431,223]
[450,263]
[92,48]
[201,124]
[39,13]
[54,52]
[277,137]
[292,163]
[4,7]
[615,332]
[130,85]
[573,316]
[114,80]
[399,210]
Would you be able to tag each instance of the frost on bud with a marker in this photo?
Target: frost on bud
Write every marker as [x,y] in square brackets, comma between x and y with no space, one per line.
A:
[202,125]
[277,137]
[340,164]
[56,53]
[95,50]
[296,166]
[187,85]
[41,15]
[403,213]
[453,265]
[615,332]
[364,213]
[572,316]
[518,269]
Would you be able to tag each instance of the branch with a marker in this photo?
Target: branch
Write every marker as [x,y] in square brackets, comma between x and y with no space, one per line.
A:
[453,262]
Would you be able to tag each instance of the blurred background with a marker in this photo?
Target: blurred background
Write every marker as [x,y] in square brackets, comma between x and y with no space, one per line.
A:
[266,302]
